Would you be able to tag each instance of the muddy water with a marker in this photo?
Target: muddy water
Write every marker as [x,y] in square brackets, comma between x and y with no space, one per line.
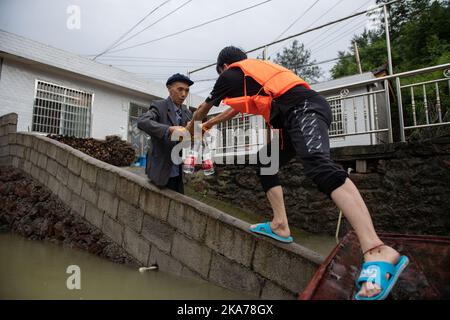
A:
[37,270]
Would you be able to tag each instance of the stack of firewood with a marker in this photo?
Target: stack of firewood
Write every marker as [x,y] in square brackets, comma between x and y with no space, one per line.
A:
[113,150]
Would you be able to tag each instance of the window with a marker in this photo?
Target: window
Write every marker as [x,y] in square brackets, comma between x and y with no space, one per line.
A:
[61,110]
[136,110]
[138,138]
[337,124]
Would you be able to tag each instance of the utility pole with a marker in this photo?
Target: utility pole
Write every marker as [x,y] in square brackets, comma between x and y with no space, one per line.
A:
[358,60]
[388,39]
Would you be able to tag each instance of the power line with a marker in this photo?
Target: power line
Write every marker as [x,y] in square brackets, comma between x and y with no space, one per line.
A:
[296,20]
[329,34]
[141,57]
[159,76]
[341,36]
[146,28]
[150,65]
[307,31]
[323,15]
[191,28]
[325,61]
[148,59]
[306,65]
[132,28]
[322,26]
[353,24]
[146,62]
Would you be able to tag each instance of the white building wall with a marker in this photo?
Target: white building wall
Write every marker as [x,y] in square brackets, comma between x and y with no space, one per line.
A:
[110,104]
[43,54]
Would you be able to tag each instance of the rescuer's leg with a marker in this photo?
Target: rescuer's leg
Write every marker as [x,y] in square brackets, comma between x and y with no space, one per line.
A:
[274,191]
[308,131]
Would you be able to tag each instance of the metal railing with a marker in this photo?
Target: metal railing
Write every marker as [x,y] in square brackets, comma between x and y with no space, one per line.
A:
[434,111]
[374,117]
[365,108]
[363,113]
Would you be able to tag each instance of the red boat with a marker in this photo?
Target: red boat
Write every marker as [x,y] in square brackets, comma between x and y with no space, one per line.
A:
[427,276]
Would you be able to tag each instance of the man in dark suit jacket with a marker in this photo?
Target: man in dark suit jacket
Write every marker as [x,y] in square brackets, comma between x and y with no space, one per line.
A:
[162,119]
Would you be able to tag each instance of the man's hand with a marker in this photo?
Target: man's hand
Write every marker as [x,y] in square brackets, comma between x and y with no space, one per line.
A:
[199,115]
[175,128]
[178,131]
[198,130]
[204,127]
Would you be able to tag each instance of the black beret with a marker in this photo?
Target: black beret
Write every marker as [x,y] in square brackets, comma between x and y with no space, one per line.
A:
[179,78]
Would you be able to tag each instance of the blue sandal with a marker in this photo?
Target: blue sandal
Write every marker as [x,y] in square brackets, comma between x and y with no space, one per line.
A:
[376,272]
[264,229]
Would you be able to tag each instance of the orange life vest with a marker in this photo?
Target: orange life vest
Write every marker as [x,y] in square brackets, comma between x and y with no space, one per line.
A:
[275,81]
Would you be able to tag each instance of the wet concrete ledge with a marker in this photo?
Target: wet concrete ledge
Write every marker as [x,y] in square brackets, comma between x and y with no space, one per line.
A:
[181,235]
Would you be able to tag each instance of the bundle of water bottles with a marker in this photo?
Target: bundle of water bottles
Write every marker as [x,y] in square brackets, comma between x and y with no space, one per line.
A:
[200,147]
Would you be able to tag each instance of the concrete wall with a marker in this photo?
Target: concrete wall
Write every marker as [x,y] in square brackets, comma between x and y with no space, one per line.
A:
[405,186]
[183,236]
[110,104]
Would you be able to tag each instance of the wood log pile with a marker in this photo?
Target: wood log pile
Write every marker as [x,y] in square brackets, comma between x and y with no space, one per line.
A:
[112,150]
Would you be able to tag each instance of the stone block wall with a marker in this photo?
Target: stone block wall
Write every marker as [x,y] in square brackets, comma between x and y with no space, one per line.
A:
[405,186]
[8,128]
[181,235]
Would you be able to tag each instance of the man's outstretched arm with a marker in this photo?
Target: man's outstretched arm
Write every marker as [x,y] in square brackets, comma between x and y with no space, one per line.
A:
[199,115]
[224,116]
[202,112]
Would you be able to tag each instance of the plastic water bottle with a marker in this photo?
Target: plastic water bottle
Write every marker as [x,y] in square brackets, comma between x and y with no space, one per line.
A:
[208,167]
[207,162]
[189,164]
[191,159]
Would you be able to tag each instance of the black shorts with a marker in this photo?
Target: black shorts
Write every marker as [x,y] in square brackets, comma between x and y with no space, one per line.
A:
[305,136]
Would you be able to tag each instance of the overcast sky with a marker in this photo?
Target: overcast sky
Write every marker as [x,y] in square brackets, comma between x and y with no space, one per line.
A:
[103,21]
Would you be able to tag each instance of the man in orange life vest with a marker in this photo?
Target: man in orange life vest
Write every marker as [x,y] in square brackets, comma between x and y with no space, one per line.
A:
[288,102]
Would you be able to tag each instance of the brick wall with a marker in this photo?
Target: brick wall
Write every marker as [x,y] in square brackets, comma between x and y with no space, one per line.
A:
[405,186]
[8,128]
[183,236]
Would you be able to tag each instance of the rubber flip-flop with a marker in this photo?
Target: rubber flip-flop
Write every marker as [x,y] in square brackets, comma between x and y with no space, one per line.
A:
[376,272]
[265,230]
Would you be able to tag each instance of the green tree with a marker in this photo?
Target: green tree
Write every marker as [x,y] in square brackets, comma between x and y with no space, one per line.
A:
[369,45]
[297,59]
[420,37]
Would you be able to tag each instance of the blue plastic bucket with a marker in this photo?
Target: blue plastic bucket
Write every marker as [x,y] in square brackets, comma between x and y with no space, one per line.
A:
[142,161]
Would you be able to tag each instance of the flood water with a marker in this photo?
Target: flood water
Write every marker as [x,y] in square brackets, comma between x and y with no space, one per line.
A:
[37,270]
